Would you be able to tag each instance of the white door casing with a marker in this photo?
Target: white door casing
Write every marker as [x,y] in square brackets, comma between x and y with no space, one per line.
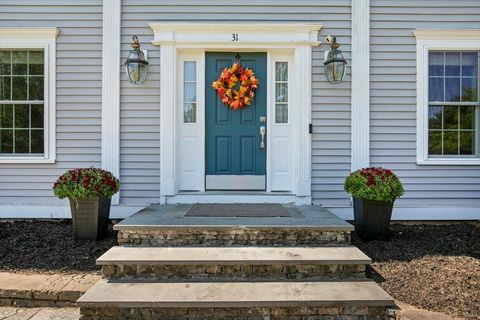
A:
[182,145]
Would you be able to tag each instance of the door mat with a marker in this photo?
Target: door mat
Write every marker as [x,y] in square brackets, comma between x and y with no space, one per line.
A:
[253,210]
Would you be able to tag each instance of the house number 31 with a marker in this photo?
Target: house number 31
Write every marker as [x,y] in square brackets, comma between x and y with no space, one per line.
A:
[235,37]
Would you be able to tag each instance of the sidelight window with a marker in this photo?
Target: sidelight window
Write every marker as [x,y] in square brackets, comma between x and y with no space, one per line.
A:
[281,92]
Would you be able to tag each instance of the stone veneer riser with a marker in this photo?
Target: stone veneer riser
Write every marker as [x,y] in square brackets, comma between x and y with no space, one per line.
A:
[239,272]
[232,237]
[251,313]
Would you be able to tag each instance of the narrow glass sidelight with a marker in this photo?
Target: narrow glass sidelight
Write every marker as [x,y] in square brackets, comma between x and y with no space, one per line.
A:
[281,92]
[189,92]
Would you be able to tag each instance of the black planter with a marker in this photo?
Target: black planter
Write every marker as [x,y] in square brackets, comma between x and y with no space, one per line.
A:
[372,218]
[90,218]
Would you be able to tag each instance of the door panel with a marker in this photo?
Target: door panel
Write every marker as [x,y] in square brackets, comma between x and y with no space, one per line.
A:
[232,145]
[222,163]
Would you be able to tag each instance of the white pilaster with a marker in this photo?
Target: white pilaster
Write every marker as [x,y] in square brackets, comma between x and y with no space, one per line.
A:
[302,110]
[360,84]
[167,119]
[111,88]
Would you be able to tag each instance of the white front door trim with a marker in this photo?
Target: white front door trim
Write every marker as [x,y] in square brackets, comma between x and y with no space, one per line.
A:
[174,37]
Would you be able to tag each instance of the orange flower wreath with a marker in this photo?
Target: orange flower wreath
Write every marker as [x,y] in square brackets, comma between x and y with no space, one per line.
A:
[225,86]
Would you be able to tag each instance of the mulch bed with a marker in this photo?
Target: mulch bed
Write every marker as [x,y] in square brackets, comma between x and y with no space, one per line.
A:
[48,247]
[433,267]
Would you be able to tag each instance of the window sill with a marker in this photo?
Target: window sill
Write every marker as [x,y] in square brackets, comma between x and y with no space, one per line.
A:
[15,160]
[449,161]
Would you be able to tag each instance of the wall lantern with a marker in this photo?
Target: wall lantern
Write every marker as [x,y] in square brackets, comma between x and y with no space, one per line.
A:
[136,64]
[335,64]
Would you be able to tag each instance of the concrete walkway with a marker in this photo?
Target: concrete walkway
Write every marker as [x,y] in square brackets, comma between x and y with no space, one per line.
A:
[11,313]
[409,312]
[41,290]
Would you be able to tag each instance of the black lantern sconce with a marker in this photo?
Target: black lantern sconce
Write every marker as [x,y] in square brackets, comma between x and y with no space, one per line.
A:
[335,64]
[136,64]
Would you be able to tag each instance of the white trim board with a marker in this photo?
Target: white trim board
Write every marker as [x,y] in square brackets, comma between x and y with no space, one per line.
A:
[203,35]
[419,213]
[111,89]
[59,211]
[360,97]
[237,197]
[346,213]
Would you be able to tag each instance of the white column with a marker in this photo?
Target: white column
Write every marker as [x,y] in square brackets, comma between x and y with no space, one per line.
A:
[111,88]
[360,84]
[167,119]
[302,111]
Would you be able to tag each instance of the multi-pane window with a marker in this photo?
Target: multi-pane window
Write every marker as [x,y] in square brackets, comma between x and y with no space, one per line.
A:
[189,92]
[281,92]
[453,84]
[21,102]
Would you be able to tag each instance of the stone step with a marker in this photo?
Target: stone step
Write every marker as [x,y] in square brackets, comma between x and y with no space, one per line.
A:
[214,236]
[240,300]
[234,263]
[170,226]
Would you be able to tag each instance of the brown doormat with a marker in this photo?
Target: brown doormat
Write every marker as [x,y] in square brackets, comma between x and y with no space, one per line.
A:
[259,210]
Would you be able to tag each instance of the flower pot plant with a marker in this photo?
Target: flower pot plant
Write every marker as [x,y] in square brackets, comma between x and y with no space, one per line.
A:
[90,191]
[374,190]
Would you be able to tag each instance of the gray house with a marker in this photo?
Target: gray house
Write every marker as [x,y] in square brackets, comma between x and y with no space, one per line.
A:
[409,102]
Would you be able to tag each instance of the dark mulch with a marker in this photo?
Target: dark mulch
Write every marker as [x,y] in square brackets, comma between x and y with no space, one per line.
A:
[47,247]
[434,267]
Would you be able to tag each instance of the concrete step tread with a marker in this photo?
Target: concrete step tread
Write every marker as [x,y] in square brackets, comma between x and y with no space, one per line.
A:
[234,294]
[232,255]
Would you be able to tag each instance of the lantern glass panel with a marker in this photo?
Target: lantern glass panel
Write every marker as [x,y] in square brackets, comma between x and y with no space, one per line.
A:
[335,66]
[137,67]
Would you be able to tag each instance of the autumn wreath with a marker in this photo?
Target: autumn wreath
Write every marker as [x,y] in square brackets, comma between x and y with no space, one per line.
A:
[225,85]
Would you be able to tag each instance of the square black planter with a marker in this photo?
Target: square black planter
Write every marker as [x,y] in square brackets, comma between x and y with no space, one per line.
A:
[90,218]
[372,218]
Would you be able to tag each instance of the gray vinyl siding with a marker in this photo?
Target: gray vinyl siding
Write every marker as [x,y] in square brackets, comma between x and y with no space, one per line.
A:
[78,94]
[140,129]
[393,99]
[393,94]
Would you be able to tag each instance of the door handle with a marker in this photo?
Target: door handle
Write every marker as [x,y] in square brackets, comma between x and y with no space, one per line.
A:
[262,135]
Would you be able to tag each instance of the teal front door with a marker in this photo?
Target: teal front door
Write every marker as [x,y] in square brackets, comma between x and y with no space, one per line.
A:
[234,152]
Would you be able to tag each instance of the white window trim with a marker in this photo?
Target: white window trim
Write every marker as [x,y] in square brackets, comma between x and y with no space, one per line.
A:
[427,40]
[37,38]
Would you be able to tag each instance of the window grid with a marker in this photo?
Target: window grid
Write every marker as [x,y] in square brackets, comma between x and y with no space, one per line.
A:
[281,105]
[25,94]
[458,130]
[189,105]
[461,78]
[459,104]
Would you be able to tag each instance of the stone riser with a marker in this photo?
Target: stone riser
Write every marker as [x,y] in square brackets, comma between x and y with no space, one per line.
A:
[273,272]
[232,237]
[250,313]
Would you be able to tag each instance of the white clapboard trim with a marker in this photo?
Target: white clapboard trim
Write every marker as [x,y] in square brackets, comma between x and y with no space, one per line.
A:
[111,89]
[360,84]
